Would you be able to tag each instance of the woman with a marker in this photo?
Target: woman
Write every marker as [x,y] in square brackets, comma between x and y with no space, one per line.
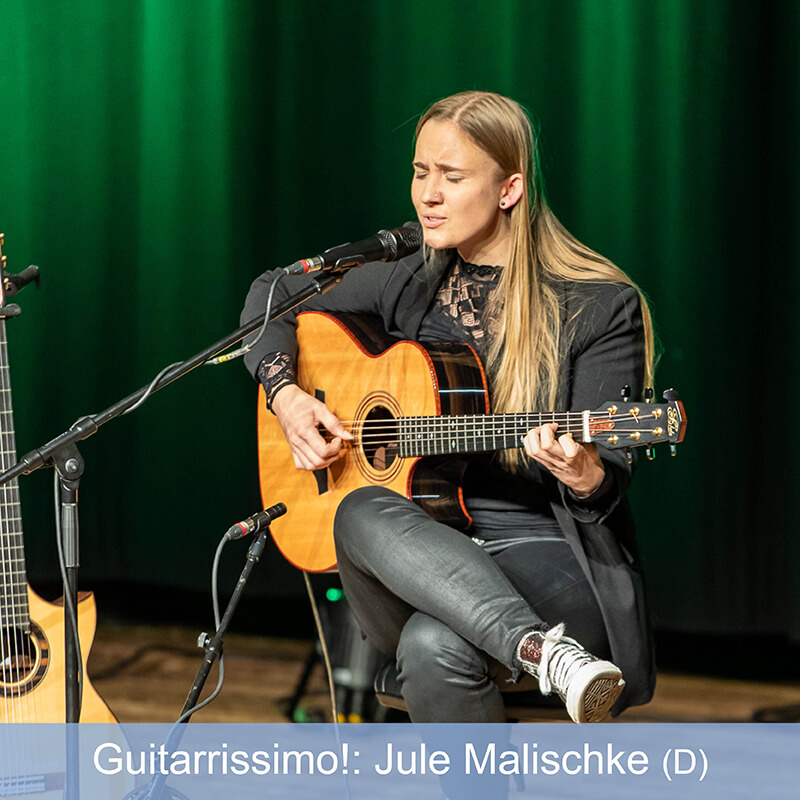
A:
[551,548]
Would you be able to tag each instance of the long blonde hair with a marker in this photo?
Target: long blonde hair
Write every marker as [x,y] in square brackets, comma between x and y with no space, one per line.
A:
[525,355]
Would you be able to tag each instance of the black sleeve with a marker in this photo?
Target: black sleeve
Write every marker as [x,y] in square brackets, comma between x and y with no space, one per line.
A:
[607,353]
[360,291]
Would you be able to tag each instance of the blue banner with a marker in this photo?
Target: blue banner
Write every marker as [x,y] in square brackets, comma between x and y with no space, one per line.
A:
[356,762]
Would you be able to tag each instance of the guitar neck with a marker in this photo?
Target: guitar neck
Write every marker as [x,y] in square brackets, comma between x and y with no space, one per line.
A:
[14,610]
[480,433]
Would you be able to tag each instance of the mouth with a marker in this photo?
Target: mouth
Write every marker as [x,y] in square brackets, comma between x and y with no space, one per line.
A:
[432,220]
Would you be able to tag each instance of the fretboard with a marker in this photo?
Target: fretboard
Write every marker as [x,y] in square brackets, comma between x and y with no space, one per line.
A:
[13,580]
[478,433]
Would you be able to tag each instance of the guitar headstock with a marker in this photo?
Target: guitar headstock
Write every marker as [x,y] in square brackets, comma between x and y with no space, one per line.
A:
[11,284]
[623,424]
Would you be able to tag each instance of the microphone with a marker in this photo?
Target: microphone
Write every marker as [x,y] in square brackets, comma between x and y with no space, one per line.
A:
[383,246]
[255,523]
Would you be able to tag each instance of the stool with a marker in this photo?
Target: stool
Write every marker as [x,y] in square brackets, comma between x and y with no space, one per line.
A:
[521,706]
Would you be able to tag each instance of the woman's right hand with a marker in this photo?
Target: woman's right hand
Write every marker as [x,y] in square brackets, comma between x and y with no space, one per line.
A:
[299,415]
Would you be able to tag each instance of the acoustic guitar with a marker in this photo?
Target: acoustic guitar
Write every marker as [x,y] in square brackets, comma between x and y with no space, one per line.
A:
[411,433]
[31,629]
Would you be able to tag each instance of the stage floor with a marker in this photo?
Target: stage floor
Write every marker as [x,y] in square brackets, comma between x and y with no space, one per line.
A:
[144,674]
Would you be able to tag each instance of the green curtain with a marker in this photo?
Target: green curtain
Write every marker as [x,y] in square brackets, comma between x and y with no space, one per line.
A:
[157,155]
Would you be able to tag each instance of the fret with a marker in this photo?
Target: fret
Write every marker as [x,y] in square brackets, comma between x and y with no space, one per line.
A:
[19,619]
[13,583]
[463,433]
[16,593]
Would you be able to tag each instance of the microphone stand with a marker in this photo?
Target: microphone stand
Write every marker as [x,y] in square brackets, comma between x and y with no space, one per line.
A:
[63,453]
[213,649]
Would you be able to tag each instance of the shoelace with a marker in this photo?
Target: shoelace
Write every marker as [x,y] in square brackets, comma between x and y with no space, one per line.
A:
[565,660]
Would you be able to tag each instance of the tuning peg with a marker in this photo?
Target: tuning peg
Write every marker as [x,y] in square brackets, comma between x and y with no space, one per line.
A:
[648,394]
[673,449]
[650,451]
[629,455]
[625,393]
[670,394]
[11,310]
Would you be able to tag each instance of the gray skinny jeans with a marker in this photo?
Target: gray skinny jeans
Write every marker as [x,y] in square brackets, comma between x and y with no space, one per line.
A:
[453,610]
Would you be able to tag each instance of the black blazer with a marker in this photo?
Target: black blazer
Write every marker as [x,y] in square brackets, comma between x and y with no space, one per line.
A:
[603,352]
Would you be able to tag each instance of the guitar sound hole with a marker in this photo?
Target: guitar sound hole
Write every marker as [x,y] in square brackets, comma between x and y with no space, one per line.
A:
[379,438]
[18,656]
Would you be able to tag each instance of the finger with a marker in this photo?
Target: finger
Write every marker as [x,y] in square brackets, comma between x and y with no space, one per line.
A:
[547,437]
[316,448]
[534,449]
[332,423]
[531,443]
[568,444]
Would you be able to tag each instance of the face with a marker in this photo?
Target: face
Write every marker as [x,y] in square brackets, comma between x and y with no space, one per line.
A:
[457,191]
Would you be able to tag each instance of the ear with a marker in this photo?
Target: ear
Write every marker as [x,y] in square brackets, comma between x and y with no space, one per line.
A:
[511,191]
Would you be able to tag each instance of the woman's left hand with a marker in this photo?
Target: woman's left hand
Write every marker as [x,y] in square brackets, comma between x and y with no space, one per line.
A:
[575,464]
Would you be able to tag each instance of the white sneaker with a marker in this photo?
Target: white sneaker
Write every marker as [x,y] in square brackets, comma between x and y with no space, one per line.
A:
[587,685]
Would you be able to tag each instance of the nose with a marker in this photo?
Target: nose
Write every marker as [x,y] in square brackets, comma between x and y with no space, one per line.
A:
[432,195]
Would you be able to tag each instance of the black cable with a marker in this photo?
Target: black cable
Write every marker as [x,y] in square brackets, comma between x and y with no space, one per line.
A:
[279,275]
[69,605]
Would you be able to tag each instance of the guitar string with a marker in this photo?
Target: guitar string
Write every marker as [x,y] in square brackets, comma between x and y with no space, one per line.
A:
[3,611]
[480,433]
[9,653]
[5,665]
[5,635]
[422,443]
[11,658]
[455,428]
[490,422]
[495,421]
[18,639]
[464,440]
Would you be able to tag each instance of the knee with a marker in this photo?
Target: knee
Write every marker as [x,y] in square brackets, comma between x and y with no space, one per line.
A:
[358,513]
[430,652]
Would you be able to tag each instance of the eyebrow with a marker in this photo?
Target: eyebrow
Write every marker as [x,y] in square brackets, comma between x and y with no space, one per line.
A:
[441,166]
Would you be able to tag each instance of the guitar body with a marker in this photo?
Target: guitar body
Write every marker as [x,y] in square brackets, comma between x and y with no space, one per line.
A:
[342,360]
[415,411]
[32,678]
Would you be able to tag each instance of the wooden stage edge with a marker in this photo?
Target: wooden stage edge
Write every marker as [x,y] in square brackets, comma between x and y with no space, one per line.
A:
[145,672]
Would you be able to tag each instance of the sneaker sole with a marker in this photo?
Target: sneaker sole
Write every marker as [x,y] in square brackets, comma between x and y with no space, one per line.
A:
[601,688]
